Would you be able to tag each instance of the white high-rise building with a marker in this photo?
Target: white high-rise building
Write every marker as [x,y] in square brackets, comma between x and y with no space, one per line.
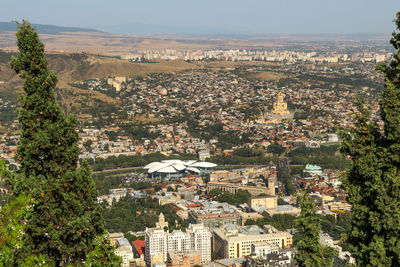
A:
[158,243]
[201,241]
[155,245]
[178,241]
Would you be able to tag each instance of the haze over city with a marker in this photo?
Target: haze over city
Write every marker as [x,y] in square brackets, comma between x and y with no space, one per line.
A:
[217,133]
[210,17]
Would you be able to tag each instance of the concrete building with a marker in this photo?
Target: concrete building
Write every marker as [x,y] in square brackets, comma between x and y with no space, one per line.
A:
[188,258]
[234,188]
[233,241]
[113,237]
[263,249]
[124,250]
[282,258]
[215,214]
[201,241]
[282,209]
[203,155]
[155,246]
[267,202]
[159,243]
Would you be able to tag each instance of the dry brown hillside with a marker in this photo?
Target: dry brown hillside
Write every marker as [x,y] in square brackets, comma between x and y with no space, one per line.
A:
[73,67]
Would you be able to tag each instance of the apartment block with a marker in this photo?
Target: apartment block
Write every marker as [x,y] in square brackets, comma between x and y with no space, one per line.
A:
[234,241]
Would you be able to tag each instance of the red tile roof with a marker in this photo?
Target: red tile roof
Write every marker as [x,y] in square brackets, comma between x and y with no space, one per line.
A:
[139,246]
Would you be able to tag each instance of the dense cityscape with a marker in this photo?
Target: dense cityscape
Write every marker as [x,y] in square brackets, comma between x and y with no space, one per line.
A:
[279,156]
[269,129]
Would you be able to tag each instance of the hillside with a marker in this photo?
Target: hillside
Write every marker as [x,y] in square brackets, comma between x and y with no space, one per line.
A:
[42,28]
[72,68]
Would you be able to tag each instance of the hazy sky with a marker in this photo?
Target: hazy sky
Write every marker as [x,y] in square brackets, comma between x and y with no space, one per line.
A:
[216,16]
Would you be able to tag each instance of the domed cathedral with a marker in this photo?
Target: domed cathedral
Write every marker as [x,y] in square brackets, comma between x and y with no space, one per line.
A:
[280,106]
[279,113]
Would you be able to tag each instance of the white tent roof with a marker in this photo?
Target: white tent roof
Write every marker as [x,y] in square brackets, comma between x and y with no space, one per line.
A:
[150,165]
[179,167]
[158,166]
[189,162]
[173,161]
[176,165]
[193,169]
[168,169]
[203,164]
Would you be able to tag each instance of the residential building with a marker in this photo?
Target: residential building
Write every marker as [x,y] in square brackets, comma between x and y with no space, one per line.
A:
[215,214]
[113,237]
[188,258]
[124,250]
[159,243]
[234,241]
[267,202]
[234,188]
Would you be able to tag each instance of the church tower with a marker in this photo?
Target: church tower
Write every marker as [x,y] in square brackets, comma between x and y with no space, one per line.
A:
[280,106]
[161,221]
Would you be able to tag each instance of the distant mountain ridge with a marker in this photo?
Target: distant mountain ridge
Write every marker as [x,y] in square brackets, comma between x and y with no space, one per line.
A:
[45,29]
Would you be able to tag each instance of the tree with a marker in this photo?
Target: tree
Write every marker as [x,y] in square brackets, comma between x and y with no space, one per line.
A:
[372,182]
[12,227]
[275,148]
[65,223]
[170,189]
[88,145]
[310,251]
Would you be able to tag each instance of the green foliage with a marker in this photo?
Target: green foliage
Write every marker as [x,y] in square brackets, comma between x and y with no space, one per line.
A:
[300,115]
[141,185]
[339,228]
[242,196]
[88,145]
[105,183]
[372,182]
[275,148]
[112,135]
[170,189]
[326,162]
[13,216]
[132,238]
[239,160]
[123,161]
[142,213]
[287,182]
[310,251]
[279,221]
[247,152]
[12,229]
[323,150]
[103,253]
[139,133]
[281,202]
[65,218]
[323,156]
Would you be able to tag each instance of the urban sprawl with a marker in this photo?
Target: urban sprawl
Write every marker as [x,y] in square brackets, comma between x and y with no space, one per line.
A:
[201,167]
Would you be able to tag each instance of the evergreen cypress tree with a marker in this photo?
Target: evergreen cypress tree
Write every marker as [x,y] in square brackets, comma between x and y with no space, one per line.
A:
[310,252]
[65,224]
[372,182]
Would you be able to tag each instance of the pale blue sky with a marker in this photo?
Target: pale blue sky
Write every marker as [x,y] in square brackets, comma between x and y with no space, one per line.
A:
[214,16]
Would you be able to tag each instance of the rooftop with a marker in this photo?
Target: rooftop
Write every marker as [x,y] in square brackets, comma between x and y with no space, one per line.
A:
[139,246]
